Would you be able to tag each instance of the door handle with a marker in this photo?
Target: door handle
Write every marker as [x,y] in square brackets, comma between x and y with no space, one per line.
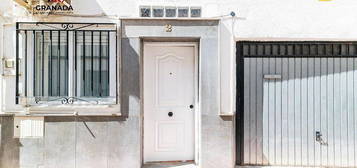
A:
[191,106]
[170,114]
[318,138]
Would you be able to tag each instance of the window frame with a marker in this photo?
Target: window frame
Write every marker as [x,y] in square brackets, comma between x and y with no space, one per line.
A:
[25,51]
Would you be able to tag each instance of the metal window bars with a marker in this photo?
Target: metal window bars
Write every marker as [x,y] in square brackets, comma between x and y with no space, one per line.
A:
[66,63]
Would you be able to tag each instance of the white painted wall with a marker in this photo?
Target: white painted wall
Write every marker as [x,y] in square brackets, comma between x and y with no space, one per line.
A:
[258,20]
[1,55]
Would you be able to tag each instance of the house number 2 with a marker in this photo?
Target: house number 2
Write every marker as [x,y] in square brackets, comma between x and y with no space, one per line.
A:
[168,28]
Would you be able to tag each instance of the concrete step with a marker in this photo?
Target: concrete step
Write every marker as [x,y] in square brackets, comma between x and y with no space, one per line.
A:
[170,165]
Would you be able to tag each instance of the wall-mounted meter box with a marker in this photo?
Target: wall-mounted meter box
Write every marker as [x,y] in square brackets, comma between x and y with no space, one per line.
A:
[28,127]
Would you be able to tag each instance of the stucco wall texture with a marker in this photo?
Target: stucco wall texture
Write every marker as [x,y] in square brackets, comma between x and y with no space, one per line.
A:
[108,142]
[81,142]
[86,142]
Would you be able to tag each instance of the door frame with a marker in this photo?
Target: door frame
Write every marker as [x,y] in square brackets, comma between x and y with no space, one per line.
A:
[239,104]
[197,111]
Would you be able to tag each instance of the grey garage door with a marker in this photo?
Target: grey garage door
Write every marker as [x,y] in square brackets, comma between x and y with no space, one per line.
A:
[297,103]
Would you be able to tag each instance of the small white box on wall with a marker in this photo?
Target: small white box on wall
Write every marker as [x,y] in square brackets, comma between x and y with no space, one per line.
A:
[28,127]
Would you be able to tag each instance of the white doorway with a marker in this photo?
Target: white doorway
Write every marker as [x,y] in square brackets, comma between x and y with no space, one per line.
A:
[169,92]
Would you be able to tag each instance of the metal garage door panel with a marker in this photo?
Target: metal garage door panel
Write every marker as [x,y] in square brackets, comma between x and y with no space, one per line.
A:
[282,115]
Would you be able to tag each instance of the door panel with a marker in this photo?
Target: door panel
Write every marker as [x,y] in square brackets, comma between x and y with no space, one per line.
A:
[168,79]
[168,94]
[169,135]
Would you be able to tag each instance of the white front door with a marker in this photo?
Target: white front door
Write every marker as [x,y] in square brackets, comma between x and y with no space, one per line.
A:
[169,79]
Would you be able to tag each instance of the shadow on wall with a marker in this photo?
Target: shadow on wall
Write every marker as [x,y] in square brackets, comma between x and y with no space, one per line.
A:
[130,78]
[10,147]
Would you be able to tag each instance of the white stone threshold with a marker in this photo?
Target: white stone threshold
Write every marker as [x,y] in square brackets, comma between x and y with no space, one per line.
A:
[170,165]
[275,167]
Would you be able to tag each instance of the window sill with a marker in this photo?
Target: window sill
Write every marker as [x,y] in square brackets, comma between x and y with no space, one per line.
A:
[72,110]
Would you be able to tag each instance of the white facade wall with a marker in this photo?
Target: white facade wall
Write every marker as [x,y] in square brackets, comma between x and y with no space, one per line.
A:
[254,20]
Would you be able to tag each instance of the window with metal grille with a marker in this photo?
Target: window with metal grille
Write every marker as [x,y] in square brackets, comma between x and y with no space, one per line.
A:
[66,63]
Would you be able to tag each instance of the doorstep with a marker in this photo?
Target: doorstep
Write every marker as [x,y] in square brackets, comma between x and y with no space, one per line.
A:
[273,167]
[170,165]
